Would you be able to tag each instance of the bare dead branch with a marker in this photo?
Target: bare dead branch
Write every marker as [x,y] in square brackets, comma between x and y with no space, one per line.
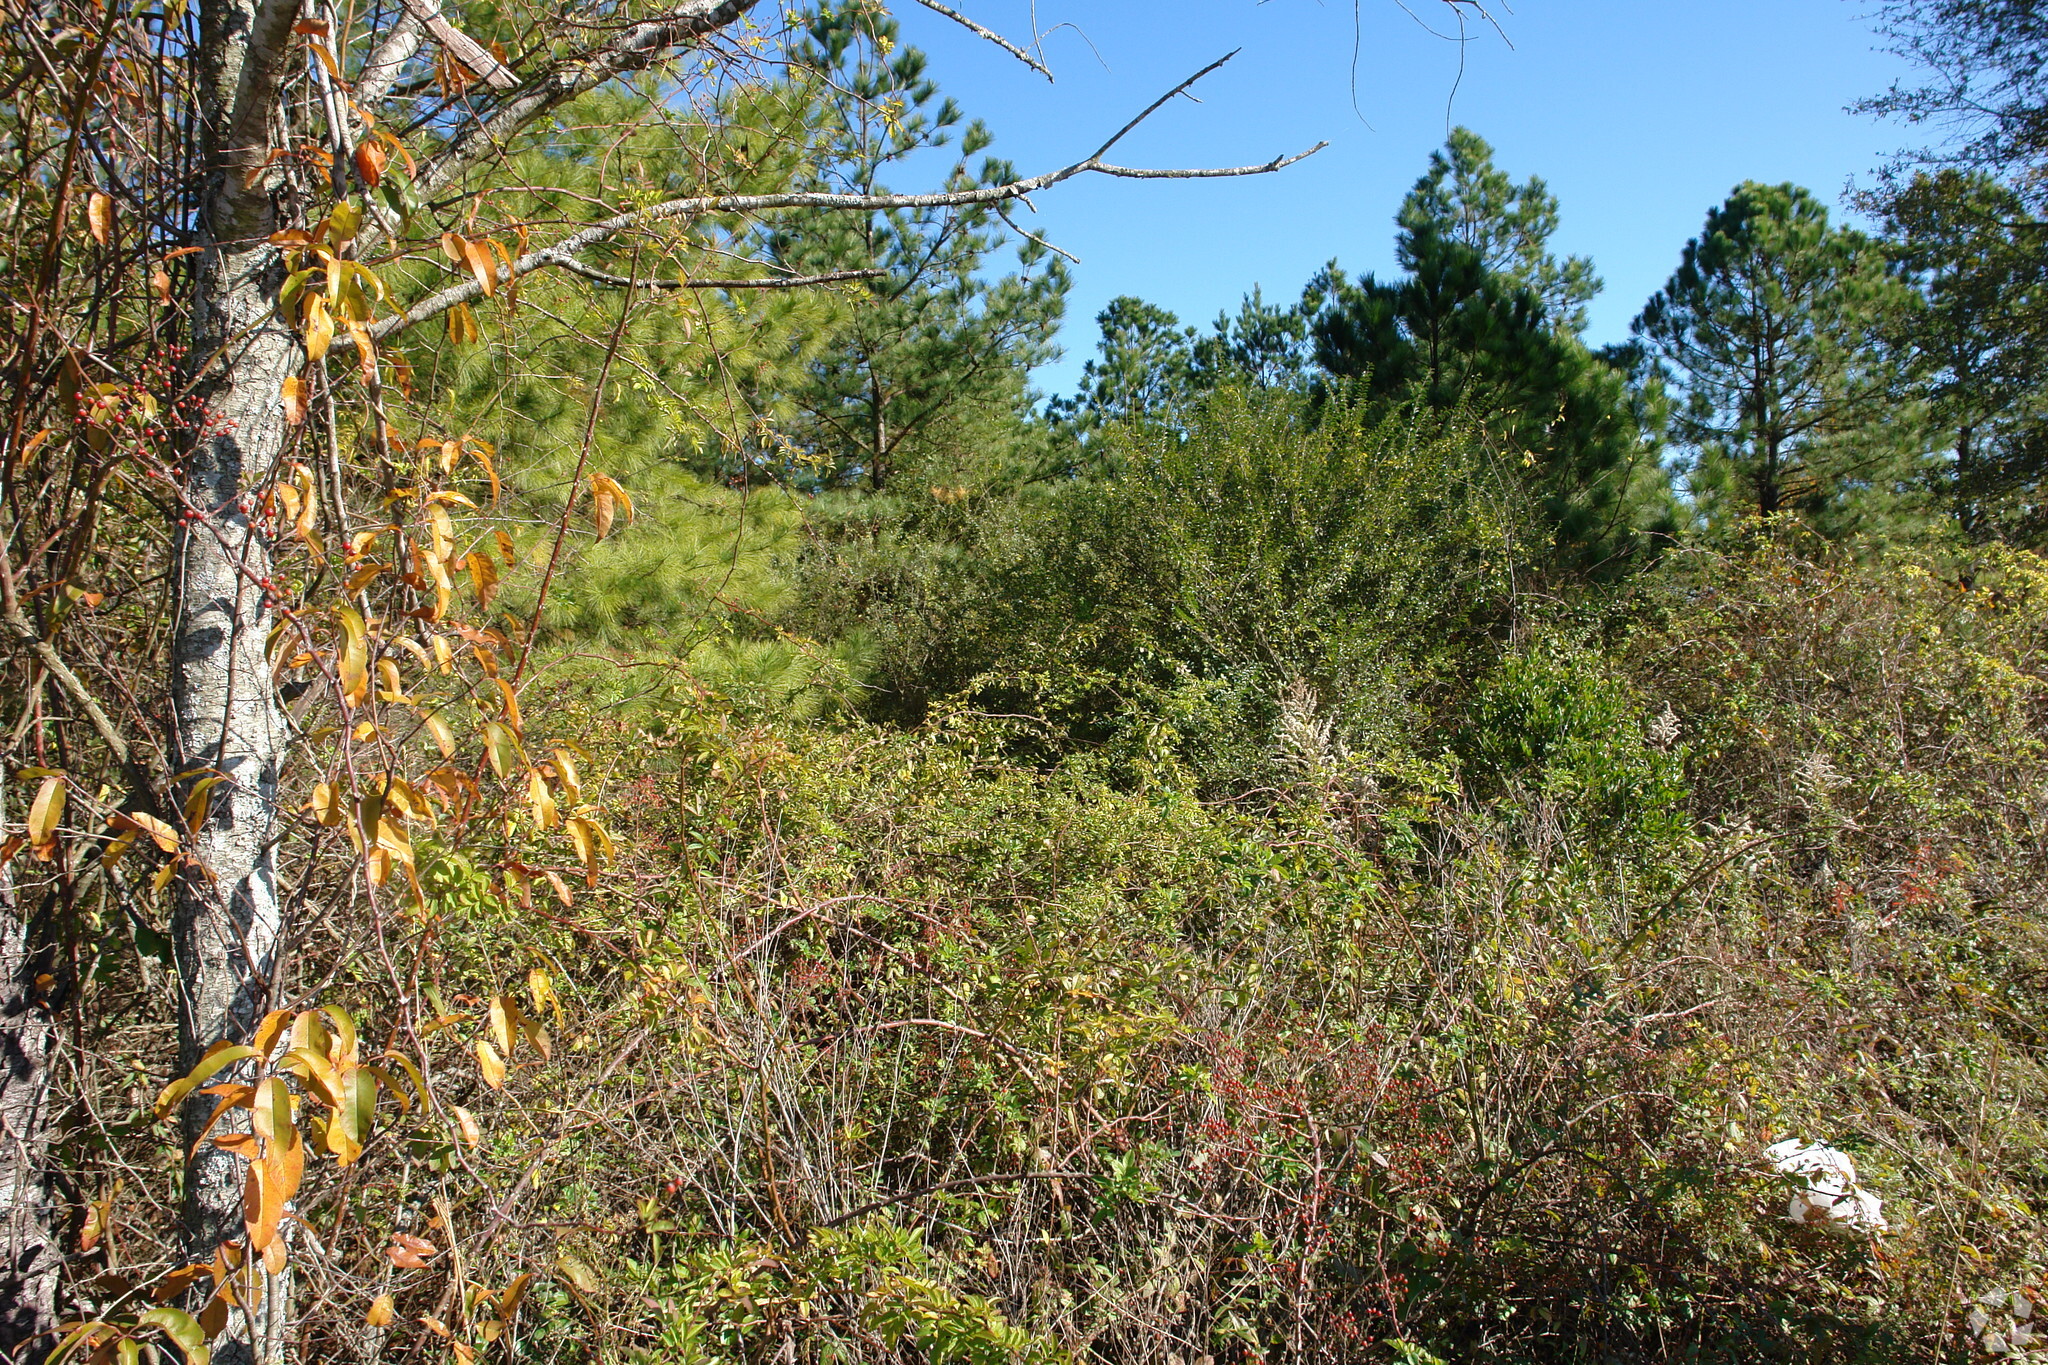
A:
[1155,105]
[1004,212]
[771,282]
[564,252]
[461,46]
[978,31]
[18,626]
[631,49]
[381,69]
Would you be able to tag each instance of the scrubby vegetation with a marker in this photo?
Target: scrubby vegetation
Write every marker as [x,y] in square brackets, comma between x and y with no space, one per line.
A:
[1344,840]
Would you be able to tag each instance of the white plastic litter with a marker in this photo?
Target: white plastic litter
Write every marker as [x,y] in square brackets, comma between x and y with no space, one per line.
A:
[1828,1197]
[2007,1324]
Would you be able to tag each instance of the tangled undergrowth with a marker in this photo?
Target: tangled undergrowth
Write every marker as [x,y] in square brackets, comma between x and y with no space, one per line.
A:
[892,1047]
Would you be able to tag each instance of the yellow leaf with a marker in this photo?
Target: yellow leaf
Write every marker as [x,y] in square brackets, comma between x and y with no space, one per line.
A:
[383,1312]
[318,326]
[294,400]
[345,219]
[443,532]
[308,506]
[353,665]
[45,813]
[199,800]
[99,217]
[165,837]
[483,576]
[116,849]
[541,801]
[444,737]
[481,453]
[592,845]
[490,1065]
[540,988]
[506,551]
[577,1275]
[502,747]
[503,1008]
[538,1036]
[508,1302]
[565,773]
[462,328]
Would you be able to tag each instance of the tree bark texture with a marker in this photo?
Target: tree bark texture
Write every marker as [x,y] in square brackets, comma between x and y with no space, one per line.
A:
[28,1274]
[228,921]
[228,727]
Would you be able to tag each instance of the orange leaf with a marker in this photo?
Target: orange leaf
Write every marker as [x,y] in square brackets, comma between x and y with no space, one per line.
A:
[610,499]
[408,1252]
[512,717]
[483,575]
[262,1205]
[370,162]
[294,400]
[383,1312]
[99,217]
[480,264]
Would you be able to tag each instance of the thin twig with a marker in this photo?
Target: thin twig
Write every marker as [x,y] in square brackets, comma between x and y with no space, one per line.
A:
[998,39]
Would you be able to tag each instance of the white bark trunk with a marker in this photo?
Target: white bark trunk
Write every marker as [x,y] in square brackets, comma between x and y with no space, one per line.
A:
[29,1256]
[228,920]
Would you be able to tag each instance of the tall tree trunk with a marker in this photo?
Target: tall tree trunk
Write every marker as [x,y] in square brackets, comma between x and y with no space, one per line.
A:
[228,726]
[228,920]
[28,1276]
[1769,494]
[1968,512]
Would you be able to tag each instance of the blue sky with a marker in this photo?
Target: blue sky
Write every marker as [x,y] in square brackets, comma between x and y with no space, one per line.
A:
[1639,113]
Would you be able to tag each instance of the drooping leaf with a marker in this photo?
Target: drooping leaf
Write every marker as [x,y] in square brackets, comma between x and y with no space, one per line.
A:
[490,1065]
[45,814]
[294,394]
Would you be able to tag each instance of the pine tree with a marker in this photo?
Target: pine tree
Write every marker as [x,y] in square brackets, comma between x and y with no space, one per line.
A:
[1143,368]
[1771,326]
[935,335]
[1464,198]
[1459,335]
[1988,64]
[1974,345]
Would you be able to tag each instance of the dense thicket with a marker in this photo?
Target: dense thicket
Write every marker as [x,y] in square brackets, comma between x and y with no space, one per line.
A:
[1347,838]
